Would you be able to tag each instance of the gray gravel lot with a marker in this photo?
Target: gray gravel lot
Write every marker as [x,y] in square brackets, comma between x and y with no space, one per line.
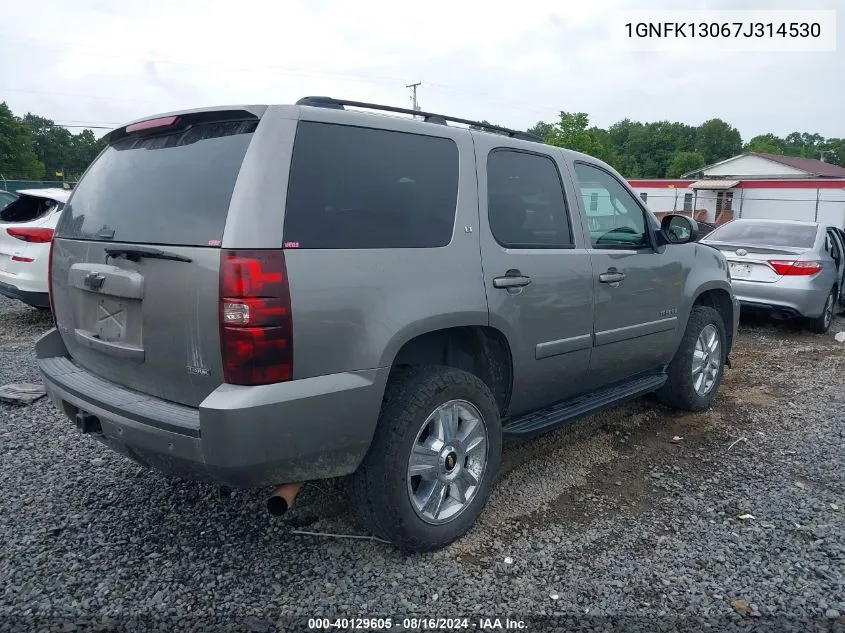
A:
[609,522]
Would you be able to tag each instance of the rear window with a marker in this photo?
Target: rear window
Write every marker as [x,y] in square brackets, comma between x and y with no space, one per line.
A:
[28,208]
[747,233]
[359,188]
[166,189]
[6,199]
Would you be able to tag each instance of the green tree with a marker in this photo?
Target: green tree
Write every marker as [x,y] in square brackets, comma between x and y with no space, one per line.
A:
[52,144]
[63,154]
[684,162]
[716,140]
[834,151]
[765,143]
[572,132]
[645,150]
[17,156]
[84,149]
[541,129]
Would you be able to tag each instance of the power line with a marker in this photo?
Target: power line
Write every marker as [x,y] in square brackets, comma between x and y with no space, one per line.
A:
[379,80]
[81,96]
[51,45]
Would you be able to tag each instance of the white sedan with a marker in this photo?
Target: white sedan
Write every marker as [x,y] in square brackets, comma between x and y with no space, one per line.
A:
[26,230]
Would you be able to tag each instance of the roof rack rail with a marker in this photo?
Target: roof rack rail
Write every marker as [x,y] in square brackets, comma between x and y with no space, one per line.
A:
[429,117]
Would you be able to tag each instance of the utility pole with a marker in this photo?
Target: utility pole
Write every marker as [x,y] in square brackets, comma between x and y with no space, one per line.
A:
[413,88]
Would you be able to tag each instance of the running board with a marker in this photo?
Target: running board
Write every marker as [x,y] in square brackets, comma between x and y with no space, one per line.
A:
[570,410]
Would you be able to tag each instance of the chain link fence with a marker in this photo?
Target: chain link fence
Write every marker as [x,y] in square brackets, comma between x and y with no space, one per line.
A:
[14,184]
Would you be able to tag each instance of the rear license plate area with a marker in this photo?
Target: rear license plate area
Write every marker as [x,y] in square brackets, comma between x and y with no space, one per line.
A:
[111,320]
[740,270]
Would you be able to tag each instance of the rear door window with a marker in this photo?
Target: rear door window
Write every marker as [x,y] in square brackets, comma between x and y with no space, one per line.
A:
[359,188]
[526,205]
[166,189]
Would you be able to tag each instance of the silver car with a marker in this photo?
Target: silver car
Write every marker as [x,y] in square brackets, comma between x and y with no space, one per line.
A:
[786,268]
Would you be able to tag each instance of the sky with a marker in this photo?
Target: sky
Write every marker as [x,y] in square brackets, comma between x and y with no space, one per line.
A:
[107,62]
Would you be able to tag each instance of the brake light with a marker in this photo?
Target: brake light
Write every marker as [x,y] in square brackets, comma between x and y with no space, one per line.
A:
[152,124]
[256,324]
[789,267]
[34,235]
[25,260]
[50,283]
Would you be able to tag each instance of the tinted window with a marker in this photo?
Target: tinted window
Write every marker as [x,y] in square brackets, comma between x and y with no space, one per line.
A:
[614,217]
[6,199]
[28,208]
[354,187]
[167,189]
[687,202]
[525,201]
[753,233]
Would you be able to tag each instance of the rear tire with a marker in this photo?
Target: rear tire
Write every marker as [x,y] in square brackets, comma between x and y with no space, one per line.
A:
[691,385]
[821,324]
[418,407]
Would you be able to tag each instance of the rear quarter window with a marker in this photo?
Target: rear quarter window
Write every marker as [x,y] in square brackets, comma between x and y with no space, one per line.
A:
[360,188]
[170,188]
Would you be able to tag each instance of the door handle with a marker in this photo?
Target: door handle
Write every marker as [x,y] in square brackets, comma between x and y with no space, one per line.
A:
[512,279]
[611,277]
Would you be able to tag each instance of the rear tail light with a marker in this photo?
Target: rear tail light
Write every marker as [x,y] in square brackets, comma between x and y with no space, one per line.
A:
[25,260]
[256,324]
[50,281]
[34,235]
[792,268]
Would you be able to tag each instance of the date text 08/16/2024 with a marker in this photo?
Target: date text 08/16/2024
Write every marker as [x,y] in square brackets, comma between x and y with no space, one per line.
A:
[418,624]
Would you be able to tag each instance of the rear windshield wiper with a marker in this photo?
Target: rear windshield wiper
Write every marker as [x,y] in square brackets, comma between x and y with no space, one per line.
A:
[135,254]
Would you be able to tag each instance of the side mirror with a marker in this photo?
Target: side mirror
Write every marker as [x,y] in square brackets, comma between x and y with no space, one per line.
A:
[678,229]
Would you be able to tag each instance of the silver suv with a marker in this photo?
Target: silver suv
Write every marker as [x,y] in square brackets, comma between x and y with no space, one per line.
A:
[267,295]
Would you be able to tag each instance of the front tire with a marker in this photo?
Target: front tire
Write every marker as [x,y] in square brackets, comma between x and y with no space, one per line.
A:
[433,461]
[822,323]
[694,375]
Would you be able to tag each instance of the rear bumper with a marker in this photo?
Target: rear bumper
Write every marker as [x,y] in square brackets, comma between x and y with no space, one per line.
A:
[795,298]
[241,437]
[35,299]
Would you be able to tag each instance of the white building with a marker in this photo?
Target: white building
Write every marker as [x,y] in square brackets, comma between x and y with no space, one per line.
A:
[753,185]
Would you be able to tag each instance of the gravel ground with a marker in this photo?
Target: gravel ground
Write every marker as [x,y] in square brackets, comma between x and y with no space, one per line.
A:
[612,523]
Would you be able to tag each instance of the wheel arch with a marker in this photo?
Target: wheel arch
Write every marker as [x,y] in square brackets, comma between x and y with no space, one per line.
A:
[719,298]
[481,350]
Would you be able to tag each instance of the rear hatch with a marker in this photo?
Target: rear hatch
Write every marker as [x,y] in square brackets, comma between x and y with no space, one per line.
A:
[761,251]
[136,257]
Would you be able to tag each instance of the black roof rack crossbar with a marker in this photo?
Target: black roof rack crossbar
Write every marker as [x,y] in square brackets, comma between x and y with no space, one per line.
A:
[431,117]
